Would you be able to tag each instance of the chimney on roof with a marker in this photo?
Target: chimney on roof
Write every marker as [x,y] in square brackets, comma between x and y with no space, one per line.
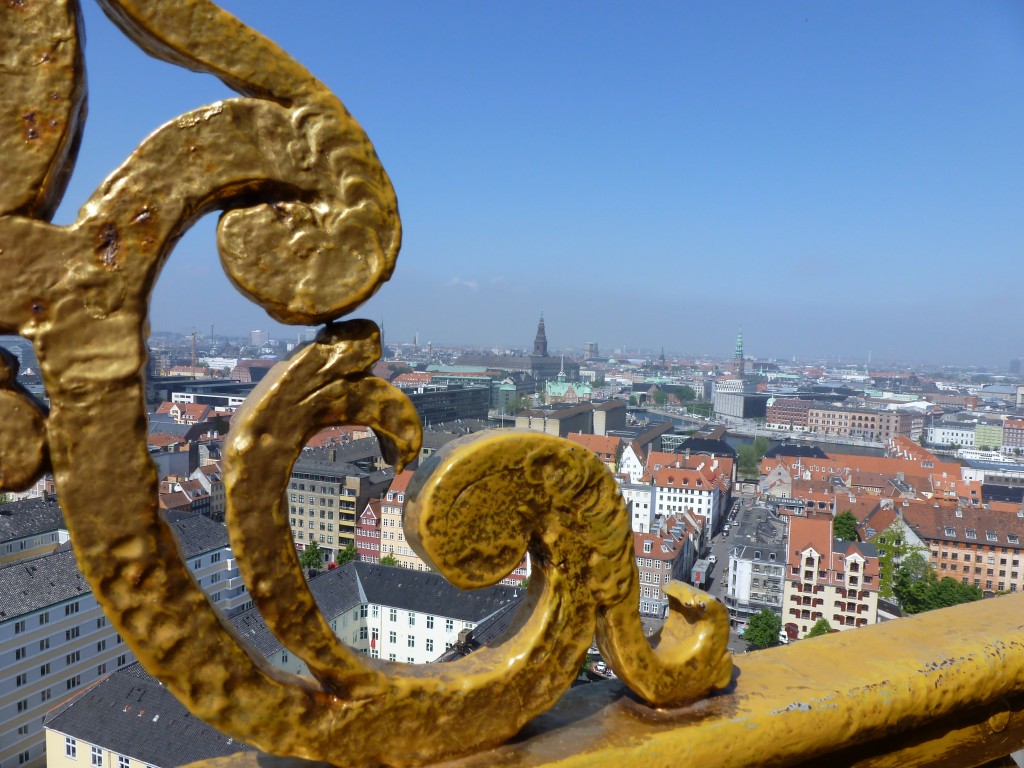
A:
[334,454]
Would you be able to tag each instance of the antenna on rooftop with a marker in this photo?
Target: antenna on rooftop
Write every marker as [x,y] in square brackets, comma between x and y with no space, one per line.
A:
[193,349]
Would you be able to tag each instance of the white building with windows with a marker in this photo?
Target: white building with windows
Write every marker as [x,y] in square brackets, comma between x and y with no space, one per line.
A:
[951,433]
[55,639]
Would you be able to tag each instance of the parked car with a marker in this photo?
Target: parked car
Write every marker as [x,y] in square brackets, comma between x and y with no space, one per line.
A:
[712,559]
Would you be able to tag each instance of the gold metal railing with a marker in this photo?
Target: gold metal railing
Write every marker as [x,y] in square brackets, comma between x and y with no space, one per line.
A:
[310,230]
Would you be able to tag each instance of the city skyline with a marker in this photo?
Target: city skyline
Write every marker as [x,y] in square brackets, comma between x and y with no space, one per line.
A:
[837,179]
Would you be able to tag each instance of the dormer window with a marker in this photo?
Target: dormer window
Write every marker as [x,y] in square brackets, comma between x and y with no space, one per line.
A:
[971,533]
[391,496]
[401,497]
[991,536]
[647,547]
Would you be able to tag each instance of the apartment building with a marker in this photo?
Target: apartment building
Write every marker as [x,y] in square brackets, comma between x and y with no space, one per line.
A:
[379,532]
[326,494]
[665,554]
[639,498]
[55,639]
[974,545]
[788,413]
[701,491]
[988,434]
[877,425]
[1013,436]
[129,720]
[948,433]
[827,578]
[30,528]
[756,572]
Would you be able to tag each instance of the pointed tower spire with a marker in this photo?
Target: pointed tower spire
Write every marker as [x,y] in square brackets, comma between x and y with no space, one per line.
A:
[737,361]
[540,341]
[561,370]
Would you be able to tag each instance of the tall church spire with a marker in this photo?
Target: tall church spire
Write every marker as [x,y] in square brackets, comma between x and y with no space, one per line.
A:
[540,341]
[737,360]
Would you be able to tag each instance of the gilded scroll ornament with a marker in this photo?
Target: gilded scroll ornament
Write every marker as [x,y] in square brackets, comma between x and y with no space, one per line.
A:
[309,230]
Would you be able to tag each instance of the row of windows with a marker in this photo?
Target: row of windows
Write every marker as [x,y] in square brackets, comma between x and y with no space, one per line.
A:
[35,541]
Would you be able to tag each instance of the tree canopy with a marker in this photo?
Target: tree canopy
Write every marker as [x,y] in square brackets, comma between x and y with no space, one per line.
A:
[918,588]
[844,526]
[389,559]
[750,456]
[763,629]
[893,549]
[311,556]
[821,627]
[347,555]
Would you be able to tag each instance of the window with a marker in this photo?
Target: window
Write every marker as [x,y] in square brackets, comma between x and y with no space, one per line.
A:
[122,660]
[362,611]
[430,645]
[362,633]
[123,761]
[20,654]
[44,669]
[21,679]
[23,705]
[393,614]
[430,623]
[96,759]
[73,682]
[71,608]
[44,618]
[44,695]
[971,533]
[71,634]
[412,619]
[449,625]
[19,627]
[101,622]
[392,637]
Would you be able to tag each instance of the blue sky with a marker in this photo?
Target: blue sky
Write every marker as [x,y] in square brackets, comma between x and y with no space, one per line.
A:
[837,177]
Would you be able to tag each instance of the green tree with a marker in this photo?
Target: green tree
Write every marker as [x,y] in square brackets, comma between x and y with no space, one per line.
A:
[347,555]
[389,559]
[844,526]
[750,456]
[632,400]
[893,549]
[311,556]
[821,627]
[660,398]
[619,450]
[918,588]
[763,629]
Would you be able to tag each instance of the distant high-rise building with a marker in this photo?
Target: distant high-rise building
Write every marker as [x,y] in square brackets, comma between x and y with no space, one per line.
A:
[590,350]
[258,338]
[1015,366]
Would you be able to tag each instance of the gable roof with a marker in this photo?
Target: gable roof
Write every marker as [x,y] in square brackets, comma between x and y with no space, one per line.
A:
[139,718]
